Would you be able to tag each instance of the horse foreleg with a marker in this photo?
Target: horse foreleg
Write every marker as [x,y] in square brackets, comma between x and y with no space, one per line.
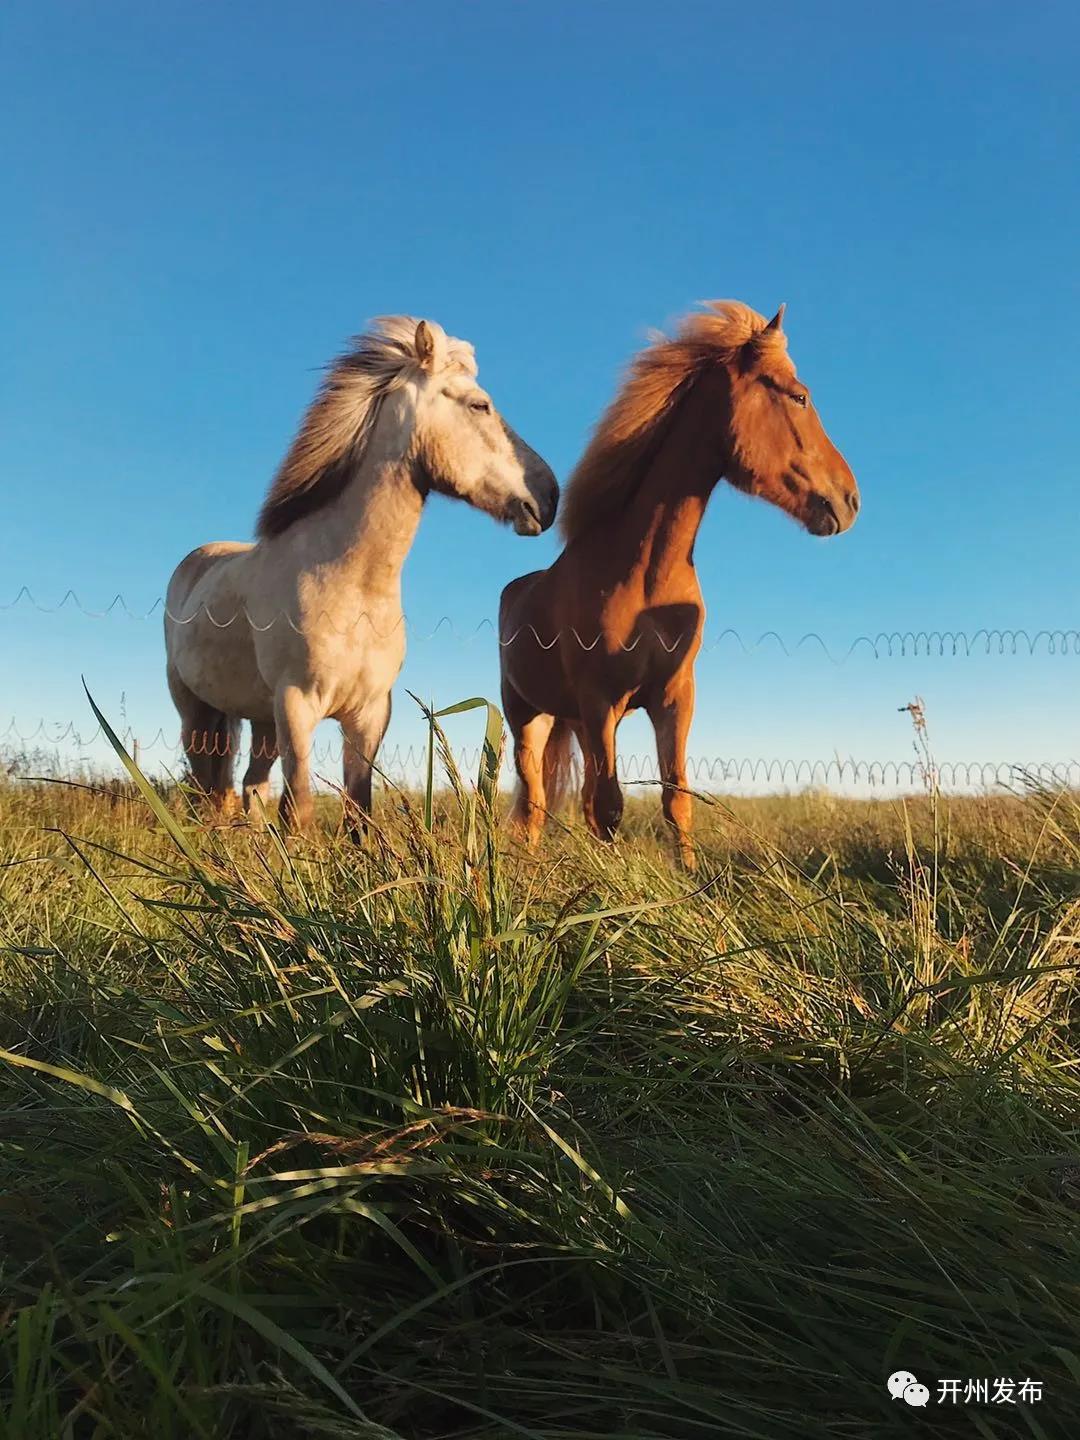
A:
[363,734]
[671,717]
[295,718]
[601,796]
[256,783]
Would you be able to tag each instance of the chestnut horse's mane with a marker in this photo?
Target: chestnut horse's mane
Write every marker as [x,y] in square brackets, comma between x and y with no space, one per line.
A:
[340,420]
[611,467]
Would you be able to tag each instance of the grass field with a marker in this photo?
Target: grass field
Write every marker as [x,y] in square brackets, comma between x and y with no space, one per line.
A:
[436,1139]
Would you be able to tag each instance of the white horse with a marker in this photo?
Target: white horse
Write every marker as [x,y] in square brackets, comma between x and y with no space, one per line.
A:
[306,624]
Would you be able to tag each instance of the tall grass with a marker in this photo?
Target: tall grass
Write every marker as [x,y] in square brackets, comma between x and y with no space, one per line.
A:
[434,1138]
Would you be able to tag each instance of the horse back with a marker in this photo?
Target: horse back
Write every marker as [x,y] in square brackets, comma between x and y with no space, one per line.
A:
[197,564]
[513,594]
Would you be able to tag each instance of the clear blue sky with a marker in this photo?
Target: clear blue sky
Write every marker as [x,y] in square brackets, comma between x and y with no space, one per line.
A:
[203,202]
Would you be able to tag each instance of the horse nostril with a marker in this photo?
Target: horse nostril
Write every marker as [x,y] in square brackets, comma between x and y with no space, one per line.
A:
[853,501]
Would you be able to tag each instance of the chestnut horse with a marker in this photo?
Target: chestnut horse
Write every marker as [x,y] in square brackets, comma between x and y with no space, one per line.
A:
[615,623]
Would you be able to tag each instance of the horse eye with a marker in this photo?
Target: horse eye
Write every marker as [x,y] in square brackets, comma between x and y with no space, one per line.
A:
[482,407]
[799,398]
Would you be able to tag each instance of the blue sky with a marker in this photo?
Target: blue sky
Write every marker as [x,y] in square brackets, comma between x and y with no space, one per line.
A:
[204,202]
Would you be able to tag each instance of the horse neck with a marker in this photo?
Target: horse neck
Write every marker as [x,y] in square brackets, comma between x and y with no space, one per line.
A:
[360,540]
[692,452]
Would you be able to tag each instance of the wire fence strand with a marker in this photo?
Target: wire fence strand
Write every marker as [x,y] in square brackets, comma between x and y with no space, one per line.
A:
[406,762]
[893,644]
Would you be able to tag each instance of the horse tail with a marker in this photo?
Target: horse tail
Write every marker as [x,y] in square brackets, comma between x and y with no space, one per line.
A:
[558,764]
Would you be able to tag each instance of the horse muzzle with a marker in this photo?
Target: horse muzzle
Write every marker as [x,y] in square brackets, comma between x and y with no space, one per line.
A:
[534,515]
[826,517]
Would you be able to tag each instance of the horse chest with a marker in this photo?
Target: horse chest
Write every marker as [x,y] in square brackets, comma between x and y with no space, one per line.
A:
[363,658]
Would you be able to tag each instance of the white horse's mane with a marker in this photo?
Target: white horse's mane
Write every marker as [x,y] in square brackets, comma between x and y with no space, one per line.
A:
[338,425]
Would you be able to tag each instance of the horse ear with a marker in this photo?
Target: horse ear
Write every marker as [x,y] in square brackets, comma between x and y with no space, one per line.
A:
[425,344]
[777,320]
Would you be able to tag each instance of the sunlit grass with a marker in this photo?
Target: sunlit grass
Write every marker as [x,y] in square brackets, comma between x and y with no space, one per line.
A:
[433,1138]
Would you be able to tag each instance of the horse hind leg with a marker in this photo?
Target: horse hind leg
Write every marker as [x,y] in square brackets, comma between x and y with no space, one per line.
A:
[209,738]
[223,742]
[601,795]
[530,760]
[531,732]
[256,783]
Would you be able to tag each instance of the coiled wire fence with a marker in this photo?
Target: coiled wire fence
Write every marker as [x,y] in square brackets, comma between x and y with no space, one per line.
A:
[38,744]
